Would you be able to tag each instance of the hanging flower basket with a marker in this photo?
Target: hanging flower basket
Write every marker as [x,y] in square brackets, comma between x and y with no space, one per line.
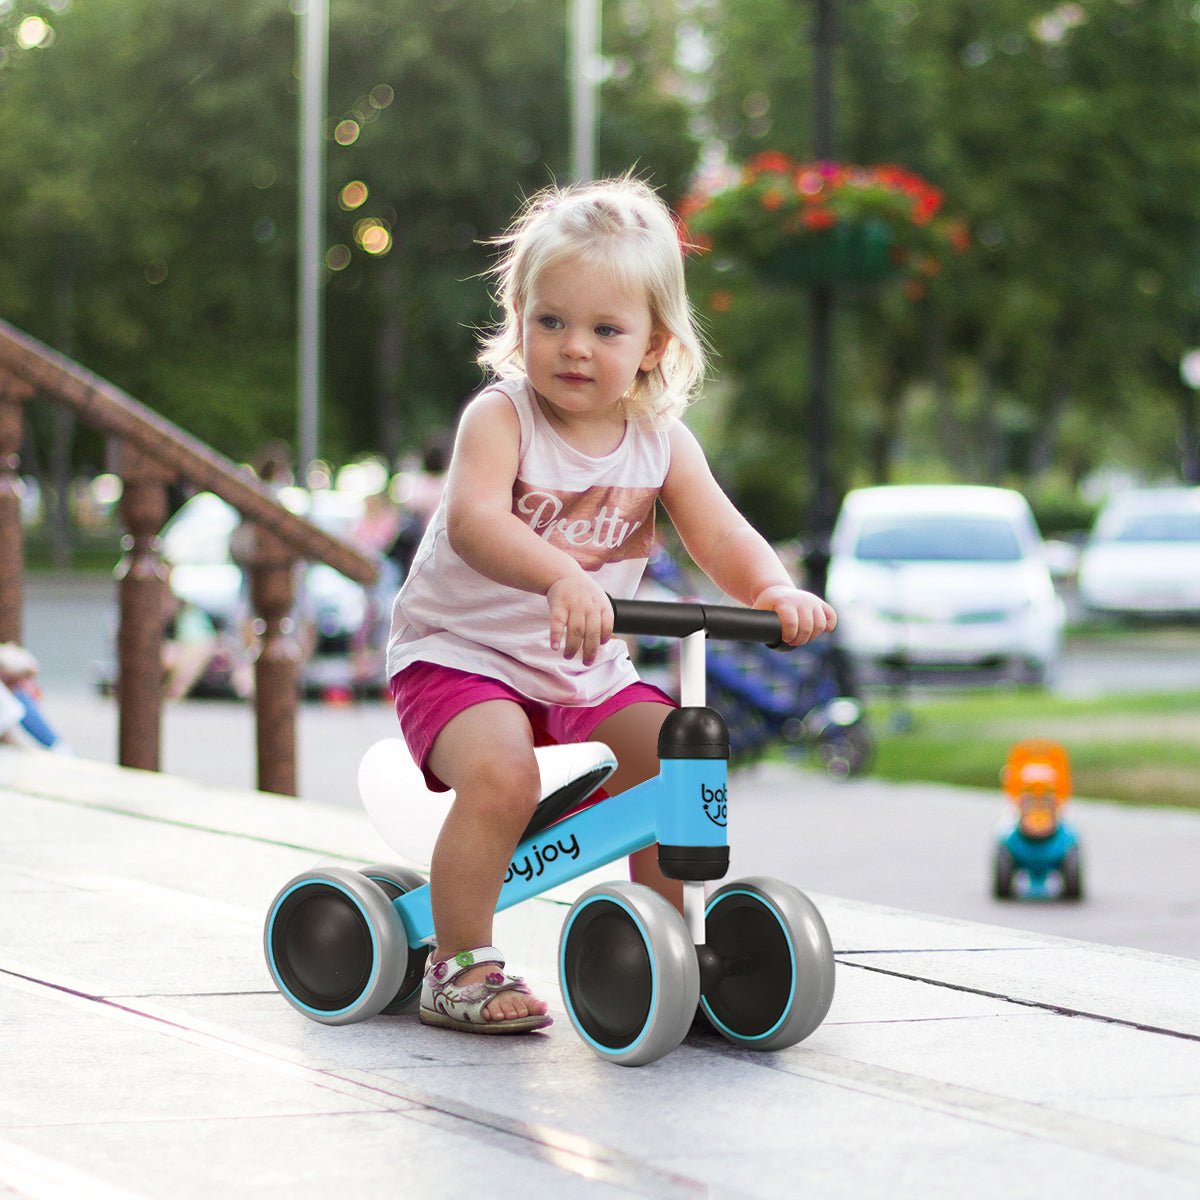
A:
[792,222]
[858,252]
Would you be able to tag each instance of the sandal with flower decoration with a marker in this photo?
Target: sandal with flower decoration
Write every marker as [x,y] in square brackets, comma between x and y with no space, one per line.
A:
[446,1004]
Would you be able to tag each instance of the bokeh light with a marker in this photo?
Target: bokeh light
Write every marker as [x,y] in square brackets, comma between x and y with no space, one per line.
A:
[33,32]
[337,258]
[364,477]
[346,133]
[373,235]
[382,95]
[353,195]
[106,488]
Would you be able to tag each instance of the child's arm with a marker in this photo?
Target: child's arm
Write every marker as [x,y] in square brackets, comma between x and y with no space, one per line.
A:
[486,535]
[729,550]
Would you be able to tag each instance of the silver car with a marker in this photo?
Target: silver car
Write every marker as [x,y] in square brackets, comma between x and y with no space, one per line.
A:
[1143,555]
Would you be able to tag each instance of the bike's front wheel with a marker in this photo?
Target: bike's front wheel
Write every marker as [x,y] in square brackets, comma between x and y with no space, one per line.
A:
[779,977]
[629,974]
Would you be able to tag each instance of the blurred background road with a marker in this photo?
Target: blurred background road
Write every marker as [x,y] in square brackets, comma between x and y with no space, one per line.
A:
[919,847]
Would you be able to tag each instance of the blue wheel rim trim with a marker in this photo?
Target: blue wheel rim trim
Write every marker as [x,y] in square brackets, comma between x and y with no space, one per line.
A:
[620,902]
[283,987]
[760,899]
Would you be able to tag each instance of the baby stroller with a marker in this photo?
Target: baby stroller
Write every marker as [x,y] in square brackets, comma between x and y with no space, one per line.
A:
[804,700]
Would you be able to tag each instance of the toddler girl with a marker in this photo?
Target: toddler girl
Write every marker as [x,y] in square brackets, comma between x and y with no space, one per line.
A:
[502,633]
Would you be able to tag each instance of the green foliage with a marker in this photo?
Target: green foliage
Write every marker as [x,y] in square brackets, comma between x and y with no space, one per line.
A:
[1135,749]
[150,188]
[1069,137]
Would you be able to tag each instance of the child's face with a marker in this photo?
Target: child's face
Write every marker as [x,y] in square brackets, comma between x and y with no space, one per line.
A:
[584,339]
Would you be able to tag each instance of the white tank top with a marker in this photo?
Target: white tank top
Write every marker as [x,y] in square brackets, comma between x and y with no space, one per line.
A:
[598,510]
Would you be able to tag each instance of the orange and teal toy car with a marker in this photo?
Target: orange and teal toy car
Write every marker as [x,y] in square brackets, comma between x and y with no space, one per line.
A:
[1036,856]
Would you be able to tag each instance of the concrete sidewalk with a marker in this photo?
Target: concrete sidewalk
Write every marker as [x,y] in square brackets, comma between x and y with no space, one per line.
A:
[144,1052]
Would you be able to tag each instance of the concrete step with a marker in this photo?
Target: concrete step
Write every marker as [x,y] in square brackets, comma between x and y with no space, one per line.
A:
[144,1051]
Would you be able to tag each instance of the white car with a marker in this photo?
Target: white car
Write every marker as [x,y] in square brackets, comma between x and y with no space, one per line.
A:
[1143,555]
[944,577]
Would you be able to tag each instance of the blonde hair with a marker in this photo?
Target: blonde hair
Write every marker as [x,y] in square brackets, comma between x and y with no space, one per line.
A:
[623,226]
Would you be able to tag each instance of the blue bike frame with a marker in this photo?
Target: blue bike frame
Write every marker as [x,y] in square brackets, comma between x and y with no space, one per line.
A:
[683,805]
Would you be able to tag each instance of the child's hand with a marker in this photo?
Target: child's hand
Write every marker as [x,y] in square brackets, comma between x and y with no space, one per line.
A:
[802,615]
[581,617]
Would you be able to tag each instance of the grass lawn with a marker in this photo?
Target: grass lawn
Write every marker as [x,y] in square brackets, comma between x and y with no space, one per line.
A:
[1141,749]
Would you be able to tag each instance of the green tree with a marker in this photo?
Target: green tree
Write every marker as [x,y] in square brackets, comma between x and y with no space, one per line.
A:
[1067,134]
[150,186]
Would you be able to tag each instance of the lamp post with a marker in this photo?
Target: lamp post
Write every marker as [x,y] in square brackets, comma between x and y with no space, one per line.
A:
[314,67]
[585,79]
[1189,372]
[821,305]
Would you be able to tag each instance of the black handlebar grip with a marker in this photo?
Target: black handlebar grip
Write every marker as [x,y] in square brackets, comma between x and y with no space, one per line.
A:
[728,624]
[659,618]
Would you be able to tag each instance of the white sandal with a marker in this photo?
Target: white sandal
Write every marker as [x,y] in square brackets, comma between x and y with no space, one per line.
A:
[444,1003]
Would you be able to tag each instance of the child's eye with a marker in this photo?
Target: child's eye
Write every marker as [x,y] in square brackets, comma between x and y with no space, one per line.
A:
[548,322]
[608,331]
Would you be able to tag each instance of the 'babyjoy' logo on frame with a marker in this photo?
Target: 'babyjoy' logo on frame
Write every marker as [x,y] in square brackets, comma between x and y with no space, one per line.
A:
[713,800]
[534,863]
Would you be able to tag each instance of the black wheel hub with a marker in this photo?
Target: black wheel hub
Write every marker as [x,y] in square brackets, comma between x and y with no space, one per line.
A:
[743,930]
[321,946]
[609,979]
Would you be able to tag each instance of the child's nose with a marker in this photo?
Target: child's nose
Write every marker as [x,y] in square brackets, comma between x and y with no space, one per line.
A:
[575,344]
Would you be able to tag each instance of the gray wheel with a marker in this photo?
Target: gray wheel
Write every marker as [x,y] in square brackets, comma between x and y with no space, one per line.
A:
[1072,875]
[1004,868]
[629,973]
[335,946]
[845,752]
[398,881]
[781,983]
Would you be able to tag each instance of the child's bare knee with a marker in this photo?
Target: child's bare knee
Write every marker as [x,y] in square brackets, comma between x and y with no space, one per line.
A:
[508,787]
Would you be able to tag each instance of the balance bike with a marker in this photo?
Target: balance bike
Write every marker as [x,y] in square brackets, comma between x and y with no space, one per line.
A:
[755,957]
[1036,855]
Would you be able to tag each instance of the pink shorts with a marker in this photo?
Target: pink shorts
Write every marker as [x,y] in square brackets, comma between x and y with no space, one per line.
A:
[427,696]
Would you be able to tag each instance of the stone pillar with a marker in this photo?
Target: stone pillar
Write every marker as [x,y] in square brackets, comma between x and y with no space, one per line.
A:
[13,394]
[141,579]
[272,567]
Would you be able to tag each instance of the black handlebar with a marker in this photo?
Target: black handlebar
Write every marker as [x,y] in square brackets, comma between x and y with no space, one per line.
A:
[659,618]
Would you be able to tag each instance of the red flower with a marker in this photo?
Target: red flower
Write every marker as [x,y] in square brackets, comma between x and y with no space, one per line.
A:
[819,218]
[771,162]
[959,235]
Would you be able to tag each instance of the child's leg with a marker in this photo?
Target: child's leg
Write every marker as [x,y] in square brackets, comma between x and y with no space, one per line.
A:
[485,754]
[632,734]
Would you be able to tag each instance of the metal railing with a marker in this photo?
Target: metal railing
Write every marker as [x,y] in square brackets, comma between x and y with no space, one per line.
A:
[149,453]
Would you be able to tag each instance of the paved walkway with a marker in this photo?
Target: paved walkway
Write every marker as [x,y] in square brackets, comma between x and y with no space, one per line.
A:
[144,1053]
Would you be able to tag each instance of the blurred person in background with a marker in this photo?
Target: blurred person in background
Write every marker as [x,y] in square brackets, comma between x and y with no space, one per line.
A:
[423,495]
[22,722]
[189,643]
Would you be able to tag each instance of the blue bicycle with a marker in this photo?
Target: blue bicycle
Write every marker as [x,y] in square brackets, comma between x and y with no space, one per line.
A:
[754,957]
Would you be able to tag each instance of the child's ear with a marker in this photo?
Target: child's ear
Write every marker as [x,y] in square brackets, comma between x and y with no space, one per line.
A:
[660,339]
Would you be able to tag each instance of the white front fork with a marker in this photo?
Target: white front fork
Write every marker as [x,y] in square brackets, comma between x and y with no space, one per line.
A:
[691,695]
